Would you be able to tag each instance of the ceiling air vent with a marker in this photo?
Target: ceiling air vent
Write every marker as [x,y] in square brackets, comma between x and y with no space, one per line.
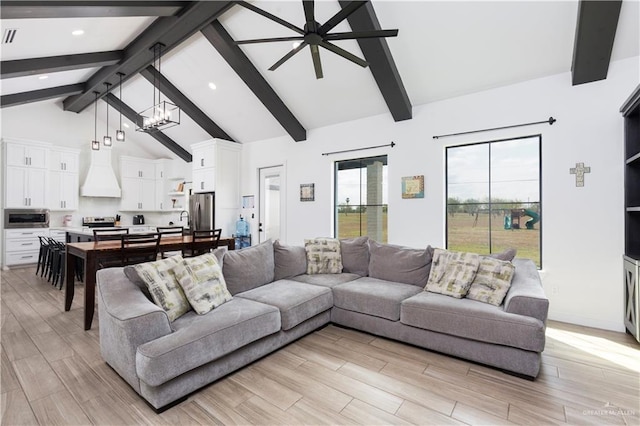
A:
[9,35]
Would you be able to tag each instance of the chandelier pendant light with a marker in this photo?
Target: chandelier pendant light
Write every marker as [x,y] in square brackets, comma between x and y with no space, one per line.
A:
[162,114]
[120,132]
[107,139]
[95,143]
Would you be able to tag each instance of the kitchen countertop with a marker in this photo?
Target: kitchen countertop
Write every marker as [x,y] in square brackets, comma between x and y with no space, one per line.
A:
[85,230]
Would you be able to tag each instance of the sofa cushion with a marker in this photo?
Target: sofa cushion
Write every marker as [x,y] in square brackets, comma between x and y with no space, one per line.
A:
[162,284]
[492,281]
[289,260]
[326,280]
[323,256]
[249,267]
[452,272]
[296,301]
[355,255]
[399,264]
[372,296]
[202,282]
[472,320]
[199,339]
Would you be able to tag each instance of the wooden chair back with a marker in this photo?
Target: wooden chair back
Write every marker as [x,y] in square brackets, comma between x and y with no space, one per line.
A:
[212,236]
[139,248]
[170,231]
[106,234]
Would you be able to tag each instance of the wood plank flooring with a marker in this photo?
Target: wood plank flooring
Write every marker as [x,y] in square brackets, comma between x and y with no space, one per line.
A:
[52,374]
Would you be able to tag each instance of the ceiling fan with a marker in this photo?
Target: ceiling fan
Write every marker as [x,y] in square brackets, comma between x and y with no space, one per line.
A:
[315,35]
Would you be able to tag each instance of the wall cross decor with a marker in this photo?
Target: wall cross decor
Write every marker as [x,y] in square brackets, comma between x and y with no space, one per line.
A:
[579,170]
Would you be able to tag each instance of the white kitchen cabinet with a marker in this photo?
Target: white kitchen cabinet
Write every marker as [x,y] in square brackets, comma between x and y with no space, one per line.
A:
[138,194]
[22,246]
[26,187]
[26,174]
[63,179]
[131,167]
[26,154]
[216,168]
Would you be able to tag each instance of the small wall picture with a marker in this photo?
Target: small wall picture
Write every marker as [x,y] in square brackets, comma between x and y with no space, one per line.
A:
[307,192]
[248,201]
[413,187]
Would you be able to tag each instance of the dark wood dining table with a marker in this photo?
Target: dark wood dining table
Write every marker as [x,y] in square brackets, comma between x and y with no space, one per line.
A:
[90,252]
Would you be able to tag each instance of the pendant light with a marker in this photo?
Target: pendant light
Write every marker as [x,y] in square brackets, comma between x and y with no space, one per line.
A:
[95,143]
[120,132]
[162,114]
[107,139]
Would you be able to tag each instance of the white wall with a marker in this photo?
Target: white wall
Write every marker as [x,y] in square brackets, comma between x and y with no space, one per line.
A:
[582,233]
[47,122]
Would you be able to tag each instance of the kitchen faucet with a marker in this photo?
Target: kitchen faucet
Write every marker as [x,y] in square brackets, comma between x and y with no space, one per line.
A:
[181,215]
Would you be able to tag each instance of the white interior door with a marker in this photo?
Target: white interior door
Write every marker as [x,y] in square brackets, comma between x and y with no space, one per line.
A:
[272,202]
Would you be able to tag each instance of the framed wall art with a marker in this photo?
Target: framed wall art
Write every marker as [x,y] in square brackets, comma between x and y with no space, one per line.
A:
[413,187]
[307,192]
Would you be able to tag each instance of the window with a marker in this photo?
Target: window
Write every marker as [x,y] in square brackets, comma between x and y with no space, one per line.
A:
[361,198]
[493,197]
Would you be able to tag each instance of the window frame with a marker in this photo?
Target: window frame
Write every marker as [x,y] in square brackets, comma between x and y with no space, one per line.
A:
[490,142]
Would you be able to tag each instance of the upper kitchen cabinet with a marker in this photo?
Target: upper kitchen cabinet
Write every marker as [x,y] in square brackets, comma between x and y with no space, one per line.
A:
[138,183]
[215,163]
[131,167]
[26,174]
[63,182]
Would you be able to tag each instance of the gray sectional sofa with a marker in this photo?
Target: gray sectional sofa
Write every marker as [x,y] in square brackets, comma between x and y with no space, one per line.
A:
[275,302]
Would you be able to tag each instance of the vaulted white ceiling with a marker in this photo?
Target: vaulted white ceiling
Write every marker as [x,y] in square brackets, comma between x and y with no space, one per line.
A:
[443,49]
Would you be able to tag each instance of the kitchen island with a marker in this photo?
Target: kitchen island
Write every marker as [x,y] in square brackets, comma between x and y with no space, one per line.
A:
[85,233]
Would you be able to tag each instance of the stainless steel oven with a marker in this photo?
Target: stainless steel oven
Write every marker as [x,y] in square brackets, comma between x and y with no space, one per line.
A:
[26,218]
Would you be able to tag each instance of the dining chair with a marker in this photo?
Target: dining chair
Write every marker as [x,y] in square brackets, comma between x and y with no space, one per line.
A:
[198,247]
[109,234]
[170,231]
[139,248]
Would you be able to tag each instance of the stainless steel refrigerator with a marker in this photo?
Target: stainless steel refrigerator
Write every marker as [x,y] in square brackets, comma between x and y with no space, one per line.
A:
[201,211]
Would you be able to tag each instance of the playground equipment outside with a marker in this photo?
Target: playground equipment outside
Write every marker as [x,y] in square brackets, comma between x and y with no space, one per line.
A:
[513,221]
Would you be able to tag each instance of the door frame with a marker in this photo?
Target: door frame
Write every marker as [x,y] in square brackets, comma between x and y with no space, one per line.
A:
[283,200]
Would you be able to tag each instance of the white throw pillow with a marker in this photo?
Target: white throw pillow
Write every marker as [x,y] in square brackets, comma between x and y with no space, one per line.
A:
[492,281]
[201,279]
[452,272]
[323,256]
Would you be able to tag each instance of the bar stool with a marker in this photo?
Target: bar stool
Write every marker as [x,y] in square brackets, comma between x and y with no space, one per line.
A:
[42,255]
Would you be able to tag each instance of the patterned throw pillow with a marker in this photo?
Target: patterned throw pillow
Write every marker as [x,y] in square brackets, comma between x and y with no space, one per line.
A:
[452,272]
[492,281]
[163,286]
[323,256]
[201,279]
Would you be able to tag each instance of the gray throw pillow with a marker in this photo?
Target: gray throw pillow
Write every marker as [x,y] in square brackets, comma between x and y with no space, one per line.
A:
[290,261]
[506,255]
[249,267]
[492,281]
[452,272]
[401,264]
[323,256]
[355,255]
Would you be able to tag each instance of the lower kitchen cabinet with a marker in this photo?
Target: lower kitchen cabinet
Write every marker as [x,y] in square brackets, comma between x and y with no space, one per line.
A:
[22,246]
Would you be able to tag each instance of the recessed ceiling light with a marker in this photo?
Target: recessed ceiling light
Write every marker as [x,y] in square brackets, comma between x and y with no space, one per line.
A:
[125,125]
[296,44]
[212,86]
[77,32]
[43,77]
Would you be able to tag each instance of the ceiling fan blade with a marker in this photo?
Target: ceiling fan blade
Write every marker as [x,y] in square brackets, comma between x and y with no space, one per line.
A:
[288,56]
[341,52]
[361,34]
[340,16]
[317,65]
[269,40]
[270,16]
[309,14]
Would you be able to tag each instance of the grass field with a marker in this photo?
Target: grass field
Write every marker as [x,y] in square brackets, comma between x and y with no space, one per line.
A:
[463,234]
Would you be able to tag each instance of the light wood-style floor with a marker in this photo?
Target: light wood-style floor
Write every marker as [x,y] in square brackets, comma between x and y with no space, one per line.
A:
[52,373]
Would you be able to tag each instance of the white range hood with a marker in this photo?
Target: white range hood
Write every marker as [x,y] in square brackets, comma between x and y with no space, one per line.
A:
[101,181]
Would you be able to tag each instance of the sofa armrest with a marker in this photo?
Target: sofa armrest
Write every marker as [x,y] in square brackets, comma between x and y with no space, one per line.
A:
[128,319]
[526,294]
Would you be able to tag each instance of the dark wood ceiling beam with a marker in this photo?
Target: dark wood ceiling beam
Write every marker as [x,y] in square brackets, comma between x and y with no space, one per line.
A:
[40,95]
[171,31]
[188,107]
[87,9]
[165,140]
[224,44]
[595,34]
[23,67]
[383,67]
